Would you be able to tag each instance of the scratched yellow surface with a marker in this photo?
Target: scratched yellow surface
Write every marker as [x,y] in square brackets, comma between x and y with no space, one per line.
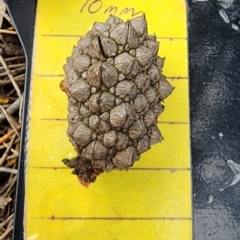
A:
[151,201]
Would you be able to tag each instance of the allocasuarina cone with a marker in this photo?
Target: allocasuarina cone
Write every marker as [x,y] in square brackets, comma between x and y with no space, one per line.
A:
[115,86]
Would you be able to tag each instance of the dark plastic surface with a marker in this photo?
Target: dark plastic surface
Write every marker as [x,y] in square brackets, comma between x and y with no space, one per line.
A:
[23,15]
[214,55]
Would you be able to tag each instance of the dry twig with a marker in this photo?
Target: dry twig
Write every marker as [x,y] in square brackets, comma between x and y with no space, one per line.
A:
[12,76]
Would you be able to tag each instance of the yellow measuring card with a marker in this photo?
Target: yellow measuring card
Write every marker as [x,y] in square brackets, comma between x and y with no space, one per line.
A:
[150,201]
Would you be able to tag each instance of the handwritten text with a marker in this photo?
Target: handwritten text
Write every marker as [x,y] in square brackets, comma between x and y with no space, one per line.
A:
[94,6]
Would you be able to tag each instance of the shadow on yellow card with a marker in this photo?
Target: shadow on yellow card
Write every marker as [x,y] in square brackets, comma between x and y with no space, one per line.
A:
[150,201]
